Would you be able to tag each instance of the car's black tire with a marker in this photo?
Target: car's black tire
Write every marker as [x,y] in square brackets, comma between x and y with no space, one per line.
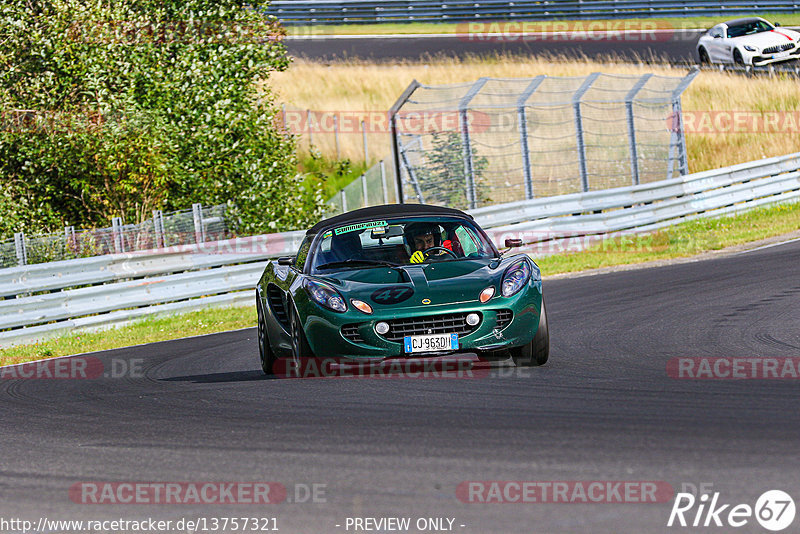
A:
[264,349]
[300,347]
[737,57]
[704,59]
[537,351]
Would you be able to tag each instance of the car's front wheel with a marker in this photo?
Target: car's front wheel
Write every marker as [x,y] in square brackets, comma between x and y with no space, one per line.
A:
[704,59]
[264,349]
[300,348]
[737,57]
[537,351]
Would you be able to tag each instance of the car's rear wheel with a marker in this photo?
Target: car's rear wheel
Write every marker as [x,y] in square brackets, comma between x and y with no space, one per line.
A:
[704,59]
[737,57]
[537,351]
[264,349]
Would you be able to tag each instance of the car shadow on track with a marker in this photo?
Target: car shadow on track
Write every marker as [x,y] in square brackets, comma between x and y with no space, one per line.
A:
[217,378]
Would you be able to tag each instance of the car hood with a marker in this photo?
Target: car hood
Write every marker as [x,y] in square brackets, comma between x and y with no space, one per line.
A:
[771,38]
[440,282]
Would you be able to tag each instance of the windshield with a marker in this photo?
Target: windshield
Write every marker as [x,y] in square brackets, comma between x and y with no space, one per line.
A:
[749,28]
[399,241]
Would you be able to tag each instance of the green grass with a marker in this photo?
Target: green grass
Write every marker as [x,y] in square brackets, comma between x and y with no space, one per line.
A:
[686,239]
[144,331]
[329,175]
[792,19]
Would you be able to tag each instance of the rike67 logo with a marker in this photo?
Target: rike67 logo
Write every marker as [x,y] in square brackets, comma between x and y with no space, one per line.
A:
[774,510]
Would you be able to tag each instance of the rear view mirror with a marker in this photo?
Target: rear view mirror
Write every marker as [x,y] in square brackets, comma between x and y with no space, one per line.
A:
[288,261]
[513,243]
[386,232]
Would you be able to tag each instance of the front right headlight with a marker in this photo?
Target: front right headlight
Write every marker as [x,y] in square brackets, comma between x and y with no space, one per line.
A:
[750,48]
[515,278]
[325,295]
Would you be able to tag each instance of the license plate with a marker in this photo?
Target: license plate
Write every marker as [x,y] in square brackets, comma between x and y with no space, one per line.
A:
[431,343]
[780,54]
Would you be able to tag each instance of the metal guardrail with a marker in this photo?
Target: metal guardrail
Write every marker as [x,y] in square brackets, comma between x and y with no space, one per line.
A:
[48,299]
[293,13]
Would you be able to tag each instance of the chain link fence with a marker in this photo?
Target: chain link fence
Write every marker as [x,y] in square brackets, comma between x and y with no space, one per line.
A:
[501,140]
[376,186]
[187,227]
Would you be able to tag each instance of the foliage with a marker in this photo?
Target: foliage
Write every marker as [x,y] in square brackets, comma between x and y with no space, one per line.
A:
[118,108]
[443,176]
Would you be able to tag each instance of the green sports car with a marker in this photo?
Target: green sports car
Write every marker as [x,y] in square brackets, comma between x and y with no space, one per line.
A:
[400,281]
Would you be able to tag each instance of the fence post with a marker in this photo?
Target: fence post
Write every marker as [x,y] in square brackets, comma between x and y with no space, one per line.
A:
[522,117]
[576,104]
[158,227]
[469,171]
[396,147]
[677,139]
[116,230]
[19,245]
[344,201]
[364,189]
[366,148]
[632,126]
[199,231]
[383,183]
[69,239]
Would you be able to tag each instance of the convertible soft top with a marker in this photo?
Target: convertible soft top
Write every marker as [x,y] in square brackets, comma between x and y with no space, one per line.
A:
[386,210]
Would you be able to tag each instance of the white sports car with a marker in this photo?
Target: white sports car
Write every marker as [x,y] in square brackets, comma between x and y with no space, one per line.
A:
[750,41]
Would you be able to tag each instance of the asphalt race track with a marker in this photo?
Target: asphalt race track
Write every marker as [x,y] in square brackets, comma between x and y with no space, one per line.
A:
[676,48]
[602,409]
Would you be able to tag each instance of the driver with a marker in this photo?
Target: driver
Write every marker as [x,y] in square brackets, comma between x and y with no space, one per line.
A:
[422,236]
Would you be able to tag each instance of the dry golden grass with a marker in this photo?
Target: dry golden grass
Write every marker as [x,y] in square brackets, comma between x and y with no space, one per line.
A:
[364,86]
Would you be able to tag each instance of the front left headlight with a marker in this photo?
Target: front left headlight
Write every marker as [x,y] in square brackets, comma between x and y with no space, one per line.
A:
[325,296]
[515,278]
[750,48]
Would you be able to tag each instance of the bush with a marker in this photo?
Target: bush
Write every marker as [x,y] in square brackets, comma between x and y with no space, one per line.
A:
[119,108]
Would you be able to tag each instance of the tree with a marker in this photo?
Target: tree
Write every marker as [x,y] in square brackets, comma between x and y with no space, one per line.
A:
[116,108]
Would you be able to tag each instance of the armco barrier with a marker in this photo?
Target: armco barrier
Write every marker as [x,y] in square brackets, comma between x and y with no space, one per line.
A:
[46,299]
[293,13]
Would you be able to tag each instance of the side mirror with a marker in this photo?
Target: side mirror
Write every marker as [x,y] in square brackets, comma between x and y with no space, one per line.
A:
[513,243]
[288,261]
[777,24]
[717,36]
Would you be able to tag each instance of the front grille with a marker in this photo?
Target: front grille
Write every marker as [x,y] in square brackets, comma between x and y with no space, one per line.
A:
[504,318]
[777,48]
[451,323]
[350,332]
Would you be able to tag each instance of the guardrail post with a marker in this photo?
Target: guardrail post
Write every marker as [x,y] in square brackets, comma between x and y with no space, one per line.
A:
[199,229]
[69,239]
[632,126]
[19,245]
[344,201]
[576,104]
[469,171]
[158,228]
[310,125]
[383,183]
[522,118]
[116,231]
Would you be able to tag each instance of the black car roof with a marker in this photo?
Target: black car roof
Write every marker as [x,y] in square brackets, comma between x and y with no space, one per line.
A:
[386,210]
